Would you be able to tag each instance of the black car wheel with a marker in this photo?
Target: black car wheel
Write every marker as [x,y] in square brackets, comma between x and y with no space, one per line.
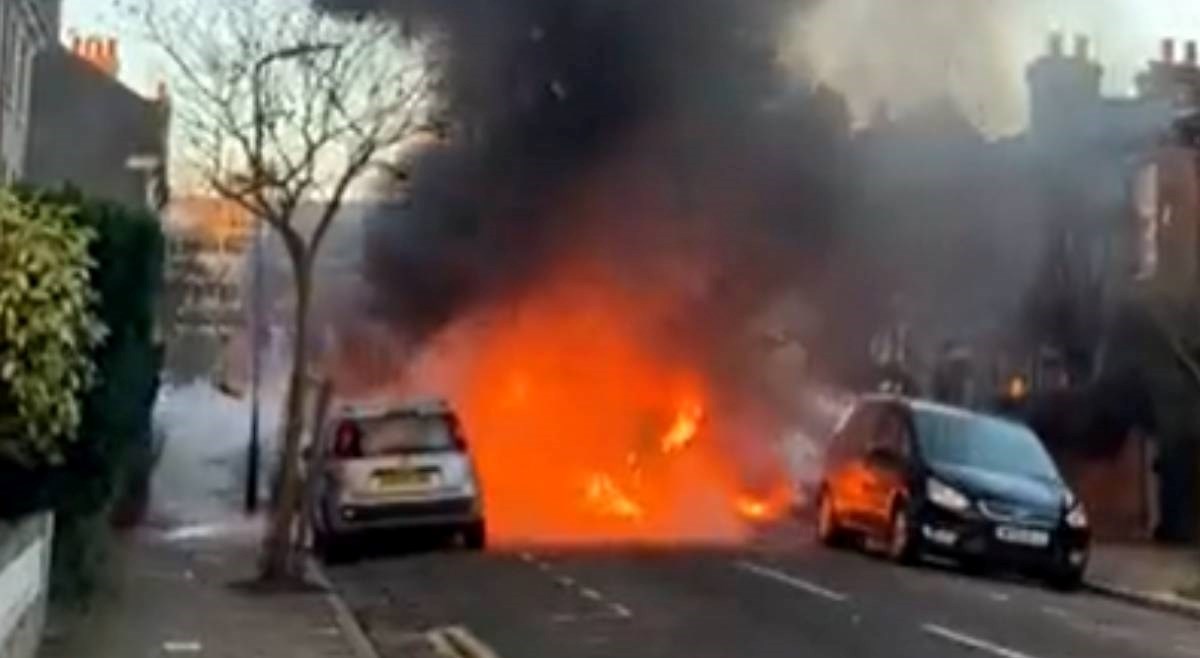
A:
[975,566]
[901,544]
[475,536]
[332,548]
[829,531]
[1065,579]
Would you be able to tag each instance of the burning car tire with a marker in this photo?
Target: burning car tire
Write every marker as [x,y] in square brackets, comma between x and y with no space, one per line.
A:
[1065,579]
[829,531]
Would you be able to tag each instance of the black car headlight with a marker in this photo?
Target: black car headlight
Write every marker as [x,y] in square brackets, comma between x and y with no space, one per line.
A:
[946,496]
[1077,517]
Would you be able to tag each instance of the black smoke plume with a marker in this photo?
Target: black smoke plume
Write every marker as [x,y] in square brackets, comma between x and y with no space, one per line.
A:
[638,131]
[673,117]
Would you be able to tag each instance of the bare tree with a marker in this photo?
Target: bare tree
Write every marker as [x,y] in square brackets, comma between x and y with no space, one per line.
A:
[277,106]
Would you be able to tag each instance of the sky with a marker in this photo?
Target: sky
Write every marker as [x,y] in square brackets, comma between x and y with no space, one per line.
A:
[139,68]
[900,51]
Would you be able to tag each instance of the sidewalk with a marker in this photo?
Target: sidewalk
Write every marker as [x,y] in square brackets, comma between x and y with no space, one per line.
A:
[182,597]
[1147,574]
[176,587]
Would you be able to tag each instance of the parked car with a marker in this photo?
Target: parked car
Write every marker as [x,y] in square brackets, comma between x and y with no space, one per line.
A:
[394,467]
[914,478]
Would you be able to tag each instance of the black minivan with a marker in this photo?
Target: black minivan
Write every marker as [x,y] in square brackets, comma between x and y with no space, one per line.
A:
[916,478]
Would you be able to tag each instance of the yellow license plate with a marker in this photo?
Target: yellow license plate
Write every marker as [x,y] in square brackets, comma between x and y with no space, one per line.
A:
[399,479]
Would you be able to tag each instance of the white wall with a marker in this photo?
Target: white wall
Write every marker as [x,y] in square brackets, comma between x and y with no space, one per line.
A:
[24,578]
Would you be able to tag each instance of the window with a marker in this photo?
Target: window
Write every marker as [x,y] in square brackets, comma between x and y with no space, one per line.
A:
[892,435]
[23,72]
[983,443]
[398,434]
[14,48]
[6,42]
[852,440]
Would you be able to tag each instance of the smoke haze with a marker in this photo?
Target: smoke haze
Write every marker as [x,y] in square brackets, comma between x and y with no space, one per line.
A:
[706,148]
[906,53]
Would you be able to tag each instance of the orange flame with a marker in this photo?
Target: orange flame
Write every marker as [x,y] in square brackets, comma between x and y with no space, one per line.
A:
[753,508]
[606,498]
[582,428]
[767,507]
[683,430]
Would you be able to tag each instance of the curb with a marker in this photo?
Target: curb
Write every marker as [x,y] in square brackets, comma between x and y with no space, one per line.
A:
[351,629]
[1162,602]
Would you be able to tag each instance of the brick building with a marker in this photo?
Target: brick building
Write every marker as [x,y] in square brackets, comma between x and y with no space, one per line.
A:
[1167,188]
[207,242]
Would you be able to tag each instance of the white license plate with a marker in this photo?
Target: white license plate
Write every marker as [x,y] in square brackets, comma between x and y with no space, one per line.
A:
[400,479]
[1023,536]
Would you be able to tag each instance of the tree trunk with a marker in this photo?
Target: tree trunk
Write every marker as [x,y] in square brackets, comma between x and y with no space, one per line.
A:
[280,561]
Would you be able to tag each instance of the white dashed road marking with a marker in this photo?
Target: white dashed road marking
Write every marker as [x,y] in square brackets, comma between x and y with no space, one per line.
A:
[183,646]
[791,581]
[971,642]
[612,609]
[620,610]
[1055,611]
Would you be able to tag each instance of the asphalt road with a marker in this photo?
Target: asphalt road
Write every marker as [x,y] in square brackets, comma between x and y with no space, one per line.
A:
[781,596]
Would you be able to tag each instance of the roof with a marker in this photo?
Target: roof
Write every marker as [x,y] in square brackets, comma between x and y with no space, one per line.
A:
[932,407]
[379,408]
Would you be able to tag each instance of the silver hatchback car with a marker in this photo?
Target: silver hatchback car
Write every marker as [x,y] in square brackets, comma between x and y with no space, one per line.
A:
[394,467]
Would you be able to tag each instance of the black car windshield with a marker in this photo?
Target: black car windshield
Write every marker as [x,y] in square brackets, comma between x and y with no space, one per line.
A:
[985,443]
[401,433]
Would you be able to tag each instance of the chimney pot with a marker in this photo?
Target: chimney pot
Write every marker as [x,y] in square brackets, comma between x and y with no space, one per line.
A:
[100,52]
[1190,53]
[1168,51]
[1056,44]
[1082,47]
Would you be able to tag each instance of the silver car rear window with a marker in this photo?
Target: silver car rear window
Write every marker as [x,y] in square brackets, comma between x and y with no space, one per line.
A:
[395,434]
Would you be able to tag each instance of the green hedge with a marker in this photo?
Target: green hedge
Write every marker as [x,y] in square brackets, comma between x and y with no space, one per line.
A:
[48,328]
[108,466]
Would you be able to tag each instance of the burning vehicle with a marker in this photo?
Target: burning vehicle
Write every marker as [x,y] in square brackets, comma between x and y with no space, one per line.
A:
[588,430]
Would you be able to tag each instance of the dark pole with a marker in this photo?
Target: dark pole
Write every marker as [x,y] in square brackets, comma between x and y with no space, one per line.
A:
[257,172]
[254,449]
